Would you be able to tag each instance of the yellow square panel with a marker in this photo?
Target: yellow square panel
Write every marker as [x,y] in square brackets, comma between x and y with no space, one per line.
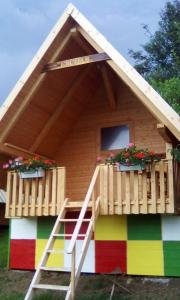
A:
[54,260]
[111,228]
[145,258]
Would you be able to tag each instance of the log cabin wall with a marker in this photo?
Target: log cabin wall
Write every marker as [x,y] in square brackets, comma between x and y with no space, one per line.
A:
[82,145]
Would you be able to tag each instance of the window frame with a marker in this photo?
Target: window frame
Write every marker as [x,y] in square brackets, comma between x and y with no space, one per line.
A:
[128,123]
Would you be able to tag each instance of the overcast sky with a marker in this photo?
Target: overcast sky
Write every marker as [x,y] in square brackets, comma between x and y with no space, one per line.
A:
[24,24]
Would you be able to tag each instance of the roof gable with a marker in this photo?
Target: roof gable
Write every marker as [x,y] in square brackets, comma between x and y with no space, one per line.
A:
[145,93]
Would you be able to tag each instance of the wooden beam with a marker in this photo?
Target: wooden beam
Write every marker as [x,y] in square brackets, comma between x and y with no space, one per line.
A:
[165,133]
[146,94]
[77,61]
[32,91]
[74,85]
[82,44]
[13,151]
[108,87]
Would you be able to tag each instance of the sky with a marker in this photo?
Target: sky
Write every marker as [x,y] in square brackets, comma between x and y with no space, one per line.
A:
[24,24]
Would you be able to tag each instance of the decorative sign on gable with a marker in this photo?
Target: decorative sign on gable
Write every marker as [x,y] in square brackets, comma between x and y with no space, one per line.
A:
[77,61]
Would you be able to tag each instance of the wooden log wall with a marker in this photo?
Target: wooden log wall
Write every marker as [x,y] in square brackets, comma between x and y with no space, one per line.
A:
[82,145]
[132,192]
[35,196]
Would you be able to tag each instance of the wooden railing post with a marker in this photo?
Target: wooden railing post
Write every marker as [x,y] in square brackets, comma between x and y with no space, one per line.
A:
[73,271]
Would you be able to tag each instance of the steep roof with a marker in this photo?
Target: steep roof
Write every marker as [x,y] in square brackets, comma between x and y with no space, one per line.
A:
[18,99]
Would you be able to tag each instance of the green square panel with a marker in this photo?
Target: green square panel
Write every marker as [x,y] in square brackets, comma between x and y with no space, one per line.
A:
[45,226]
[171,258]
[144,227]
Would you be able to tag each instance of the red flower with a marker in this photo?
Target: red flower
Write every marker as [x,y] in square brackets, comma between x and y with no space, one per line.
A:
[37,157]
[140,155]
[126,154]
[151,152]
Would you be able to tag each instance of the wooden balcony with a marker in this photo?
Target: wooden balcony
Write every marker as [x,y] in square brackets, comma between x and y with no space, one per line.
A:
[35,196]
[133,192]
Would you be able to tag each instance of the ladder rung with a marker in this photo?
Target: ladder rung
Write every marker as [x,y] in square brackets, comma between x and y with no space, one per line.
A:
[74,220]
[51,269]
[51,287]
[56,251]
[67,234]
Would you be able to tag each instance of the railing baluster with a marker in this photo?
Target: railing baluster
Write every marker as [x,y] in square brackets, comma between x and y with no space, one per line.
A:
[26,197]
[54,193]
[14,194]
[162,186]
[136,194]
[20,198]
[170,205]
[127,192]
[41,183]
[144,193]
[47,194]
[153,190]
[61,183]
[9,195]
[33,197]
[119,193]
[111,189]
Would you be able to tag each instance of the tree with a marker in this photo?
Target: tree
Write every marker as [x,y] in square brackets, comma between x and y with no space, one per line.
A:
[159,61]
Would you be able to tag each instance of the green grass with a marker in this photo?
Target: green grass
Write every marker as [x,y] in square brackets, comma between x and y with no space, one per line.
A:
[4,233]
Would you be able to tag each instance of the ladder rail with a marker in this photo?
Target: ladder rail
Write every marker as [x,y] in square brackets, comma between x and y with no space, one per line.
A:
[83,211]
[76,273]
[37,274]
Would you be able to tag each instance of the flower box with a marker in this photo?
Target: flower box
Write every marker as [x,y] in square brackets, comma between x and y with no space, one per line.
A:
[38,173]
[123,168]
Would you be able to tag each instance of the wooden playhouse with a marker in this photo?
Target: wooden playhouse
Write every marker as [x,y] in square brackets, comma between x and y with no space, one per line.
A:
[79,99]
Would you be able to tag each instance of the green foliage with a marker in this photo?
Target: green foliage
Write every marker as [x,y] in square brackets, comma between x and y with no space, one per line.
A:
[3,246]
[132,156]
[176,153]
[169,90]
[159,61]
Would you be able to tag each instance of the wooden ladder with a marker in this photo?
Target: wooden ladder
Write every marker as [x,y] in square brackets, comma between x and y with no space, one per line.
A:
[76,265]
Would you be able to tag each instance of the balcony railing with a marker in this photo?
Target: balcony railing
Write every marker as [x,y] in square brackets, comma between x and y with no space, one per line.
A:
[133,192]
[35,196]
[130,192]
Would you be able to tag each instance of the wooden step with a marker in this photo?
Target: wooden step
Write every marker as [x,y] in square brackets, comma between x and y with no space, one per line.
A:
[76,204]
[51,287]
[67,235]
[73,220]
[51,269]
[57,251]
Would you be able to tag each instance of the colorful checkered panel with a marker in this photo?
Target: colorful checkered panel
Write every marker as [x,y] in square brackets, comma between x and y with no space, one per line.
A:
[135,244]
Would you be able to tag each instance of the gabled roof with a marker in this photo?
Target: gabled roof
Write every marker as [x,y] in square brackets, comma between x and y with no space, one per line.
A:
[145,93]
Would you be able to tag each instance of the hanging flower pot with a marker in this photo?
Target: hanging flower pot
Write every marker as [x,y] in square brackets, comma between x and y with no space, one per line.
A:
[33,167]
[121,167]
[36,173]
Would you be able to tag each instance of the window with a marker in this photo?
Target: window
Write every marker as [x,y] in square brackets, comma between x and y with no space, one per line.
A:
[115,137]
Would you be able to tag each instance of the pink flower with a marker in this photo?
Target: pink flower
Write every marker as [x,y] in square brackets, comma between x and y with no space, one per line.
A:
[117,164]
[130,145]
[5,166]
[10,161]
[99,159]
[112,154]
[18,158]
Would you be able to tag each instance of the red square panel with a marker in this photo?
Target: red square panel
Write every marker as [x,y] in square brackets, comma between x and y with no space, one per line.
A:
[22,254]
[69,226]
[110,256]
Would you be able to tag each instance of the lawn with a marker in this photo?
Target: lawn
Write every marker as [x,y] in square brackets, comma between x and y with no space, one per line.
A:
[13,285]
[3,246]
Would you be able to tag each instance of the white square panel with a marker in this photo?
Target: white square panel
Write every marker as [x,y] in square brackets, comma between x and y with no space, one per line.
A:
[25,228]
[171,228]
[89,262]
